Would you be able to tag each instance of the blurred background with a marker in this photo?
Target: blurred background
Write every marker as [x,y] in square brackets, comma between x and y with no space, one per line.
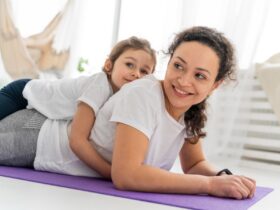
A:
[54,39]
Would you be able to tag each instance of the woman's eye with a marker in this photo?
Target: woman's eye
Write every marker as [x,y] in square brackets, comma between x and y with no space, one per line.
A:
[178,66]
[200,76]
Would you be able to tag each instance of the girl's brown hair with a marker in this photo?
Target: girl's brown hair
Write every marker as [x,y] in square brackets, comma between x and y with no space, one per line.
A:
[131,43]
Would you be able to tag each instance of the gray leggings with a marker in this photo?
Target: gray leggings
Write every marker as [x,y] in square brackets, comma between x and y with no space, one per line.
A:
[18,137]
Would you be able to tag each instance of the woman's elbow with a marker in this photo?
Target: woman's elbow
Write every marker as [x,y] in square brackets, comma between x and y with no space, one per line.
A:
[119,184]
[122,180]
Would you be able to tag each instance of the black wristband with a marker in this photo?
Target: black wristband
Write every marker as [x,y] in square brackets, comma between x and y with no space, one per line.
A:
[226,171]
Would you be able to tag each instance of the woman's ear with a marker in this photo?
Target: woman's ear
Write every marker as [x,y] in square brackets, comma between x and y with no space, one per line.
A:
[108,66]
[215,86]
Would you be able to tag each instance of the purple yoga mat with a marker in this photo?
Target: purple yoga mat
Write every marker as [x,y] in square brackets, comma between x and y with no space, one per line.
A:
[199,202]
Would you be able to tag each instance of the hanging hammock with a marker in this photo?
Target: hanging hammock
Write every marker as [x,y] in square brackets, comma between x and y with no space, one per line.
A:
[25,57]
[40,48]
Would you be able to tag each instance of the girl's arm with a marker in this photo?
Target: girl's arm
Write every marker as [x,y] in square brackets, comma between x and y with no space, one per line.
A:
[81,126]
[129,172]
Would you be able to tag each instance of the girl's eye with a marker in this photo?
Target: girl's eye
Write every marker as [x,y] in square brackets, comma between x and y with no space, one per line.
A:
[200,76]
[143,71]
[129,65]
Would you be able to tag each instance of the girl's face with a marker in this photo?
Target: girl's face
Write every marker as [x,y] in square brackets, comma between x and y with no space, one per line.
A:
[190,77]
[130,65]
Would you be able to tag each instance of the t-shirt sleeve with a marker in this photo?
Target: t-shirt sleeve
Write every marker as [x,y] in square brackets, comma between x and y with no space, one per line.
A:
[51,98]
[58,99]
[95,96]
[136,108]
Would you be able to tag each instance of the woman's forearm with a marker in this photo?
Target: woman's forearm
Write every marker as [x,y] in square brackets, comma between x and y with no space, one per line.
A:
[151,179]
[203,168]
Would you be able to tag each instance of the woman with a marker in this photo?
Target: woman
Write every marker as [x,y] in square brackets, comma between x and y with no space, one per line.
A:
[144,127]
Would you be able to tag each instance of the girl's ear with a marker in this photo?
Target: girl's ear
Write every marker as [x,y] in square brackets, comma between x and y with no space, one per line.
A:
[108,66]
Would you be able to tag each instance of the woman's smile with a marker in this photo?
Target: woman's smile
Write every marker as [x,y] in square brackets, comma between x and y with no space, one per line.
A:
[181,93]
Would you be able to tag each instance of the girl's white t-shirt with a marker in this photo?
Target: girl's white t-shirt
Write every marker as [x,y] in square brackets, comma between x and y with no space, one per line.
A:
[58,101]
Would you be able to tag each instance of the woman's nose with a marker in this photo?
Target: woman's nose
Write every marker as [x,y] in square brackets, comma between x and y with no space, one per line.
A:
[185,80]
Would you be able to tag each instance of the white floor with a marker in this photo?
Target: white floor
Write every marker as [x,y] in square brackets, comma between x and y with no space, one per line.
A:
[23,195]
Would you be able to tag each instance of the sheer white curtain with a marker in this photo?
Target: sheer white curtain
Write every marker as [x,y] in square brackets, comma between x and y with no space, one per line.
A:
[155,20]
[94,35]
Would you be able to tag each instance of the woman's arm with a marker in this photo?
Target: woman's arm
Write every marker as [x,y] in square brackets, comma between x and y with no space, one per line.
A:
[81,126]
[193,160]
[129,172]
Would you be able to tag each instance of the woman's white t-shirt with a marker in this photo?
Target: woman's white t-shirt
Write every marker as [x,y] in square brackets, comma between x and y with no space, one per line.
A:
[141,104]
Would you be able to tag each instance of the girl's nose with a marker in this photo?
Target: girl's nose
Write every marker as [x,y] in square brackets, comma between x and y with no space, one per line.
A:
[136,73]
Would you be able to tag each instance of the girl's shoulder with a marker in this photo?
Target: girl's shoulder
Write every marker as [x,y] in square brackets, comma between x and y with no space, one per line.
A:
[147,84]
[95,82]
[97,79]
[147,89]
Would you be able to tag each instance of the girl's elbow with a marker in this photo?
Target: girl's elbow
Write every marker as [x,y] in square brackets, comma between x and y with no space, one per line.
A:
[185,169]
[73,143]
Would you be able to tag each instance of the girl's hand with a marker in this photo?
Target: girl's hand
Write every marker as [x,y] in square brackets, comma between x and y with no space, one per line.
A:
[232,186]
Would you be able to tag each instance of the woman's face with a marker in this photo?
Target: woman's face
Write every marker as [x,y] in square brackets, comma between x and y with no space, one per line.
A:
[190,77]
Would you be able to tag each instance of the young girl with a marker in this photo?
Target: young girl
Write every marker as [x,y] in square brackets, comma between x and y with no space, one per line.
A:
[66,99]
[62,95]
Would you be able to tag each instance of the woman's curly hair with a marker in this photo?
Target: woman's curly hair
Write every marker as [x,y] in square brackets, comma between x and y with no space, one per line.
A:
[195,118]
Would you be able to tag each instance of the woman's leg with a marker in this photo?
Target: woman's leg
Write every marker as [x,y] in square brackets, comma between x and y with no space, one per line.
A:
[11,98]
[18,137]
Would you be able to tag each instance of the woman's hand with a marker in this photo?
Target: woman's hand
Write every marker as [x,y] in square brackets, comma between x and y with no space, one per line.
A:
[232,186]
